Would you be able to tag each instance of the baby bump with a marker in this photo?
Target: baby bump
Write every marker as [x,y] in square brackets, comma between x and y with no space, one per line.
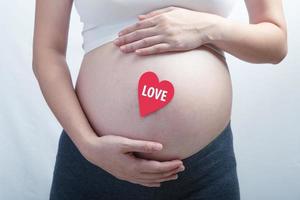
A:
[107,88]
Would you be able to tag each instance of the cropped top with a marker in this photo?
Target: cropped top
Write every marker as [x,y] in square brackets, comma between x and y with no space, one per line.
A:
[103,19]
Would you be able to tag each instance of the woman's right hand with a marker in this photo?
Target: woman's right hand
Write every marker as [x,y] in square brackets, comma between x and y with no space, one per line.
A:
[115,155]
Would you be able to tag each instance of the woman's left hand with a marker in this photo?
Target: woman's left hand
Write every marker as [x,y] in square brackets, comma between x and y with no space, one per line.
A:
[169,29]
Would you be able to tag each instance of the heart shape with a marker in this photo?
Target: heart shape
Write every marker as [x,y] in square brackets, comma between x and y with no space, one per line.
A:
[152,94]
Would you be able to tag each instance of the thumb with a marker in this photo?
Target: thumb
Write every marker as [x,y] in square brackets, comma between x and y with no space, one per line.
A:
[142,146]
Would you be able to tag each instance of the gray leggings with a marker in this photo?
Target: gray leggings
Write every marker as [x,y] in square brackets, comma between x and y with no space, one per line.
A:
[210,174]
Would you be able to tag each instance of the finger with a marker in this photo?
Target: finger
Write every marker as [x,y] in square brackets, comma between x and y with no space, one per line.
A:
[150,184]
[167,173]
[144,165]
[171,177]
[135,35]
[147,184]
[138,25]
[158,48]
[131,145]
[156,176]
[156,12]
[145,42]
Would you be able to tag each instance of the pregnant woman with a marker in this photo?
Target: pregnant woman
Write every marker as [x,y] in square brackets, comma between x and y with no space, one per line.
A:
[107,149]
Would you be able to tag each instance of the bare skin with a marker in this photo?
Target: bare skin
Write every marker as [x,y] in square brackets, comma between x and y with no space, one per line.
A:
[245,41]
[106,89]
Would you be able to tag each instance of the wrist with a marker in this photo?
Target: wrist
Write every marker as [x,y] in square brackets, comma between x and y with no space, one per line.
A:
[85,140]
[220,31]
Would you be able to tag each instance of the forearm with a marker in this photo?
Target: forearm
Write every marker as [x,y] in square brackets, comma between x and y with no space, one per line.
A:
[52,73]
[255,43]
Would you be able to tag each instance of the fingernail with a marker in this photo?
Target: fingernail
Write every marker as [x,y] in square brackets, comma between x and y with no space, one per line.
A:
[181,168]
[158,147]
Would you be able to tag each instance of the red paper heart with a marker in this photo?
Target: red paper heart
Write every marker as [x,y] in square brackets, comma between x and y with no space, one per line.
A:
[152,94]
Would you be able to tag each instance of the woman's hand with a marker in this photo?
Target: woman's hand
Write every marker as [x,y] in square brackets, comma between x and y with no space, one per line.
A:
[114,154]
[168,29]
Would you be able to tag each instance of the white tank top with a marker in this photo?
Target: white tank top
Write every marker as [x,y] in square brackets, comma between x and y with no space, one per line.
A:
[103,19]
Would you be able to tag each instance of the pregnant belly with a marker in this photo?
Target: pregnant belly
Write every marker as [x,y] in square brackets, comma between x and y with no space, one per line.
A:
[199,111]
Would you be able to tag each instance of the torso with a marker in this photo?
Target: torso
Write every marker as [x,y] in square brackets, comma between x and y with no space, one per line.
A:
[199,111]
[108,80]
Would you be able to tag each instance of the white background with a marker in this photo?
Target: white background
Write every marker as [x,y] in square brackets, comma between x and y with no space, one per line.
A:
[265,117]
